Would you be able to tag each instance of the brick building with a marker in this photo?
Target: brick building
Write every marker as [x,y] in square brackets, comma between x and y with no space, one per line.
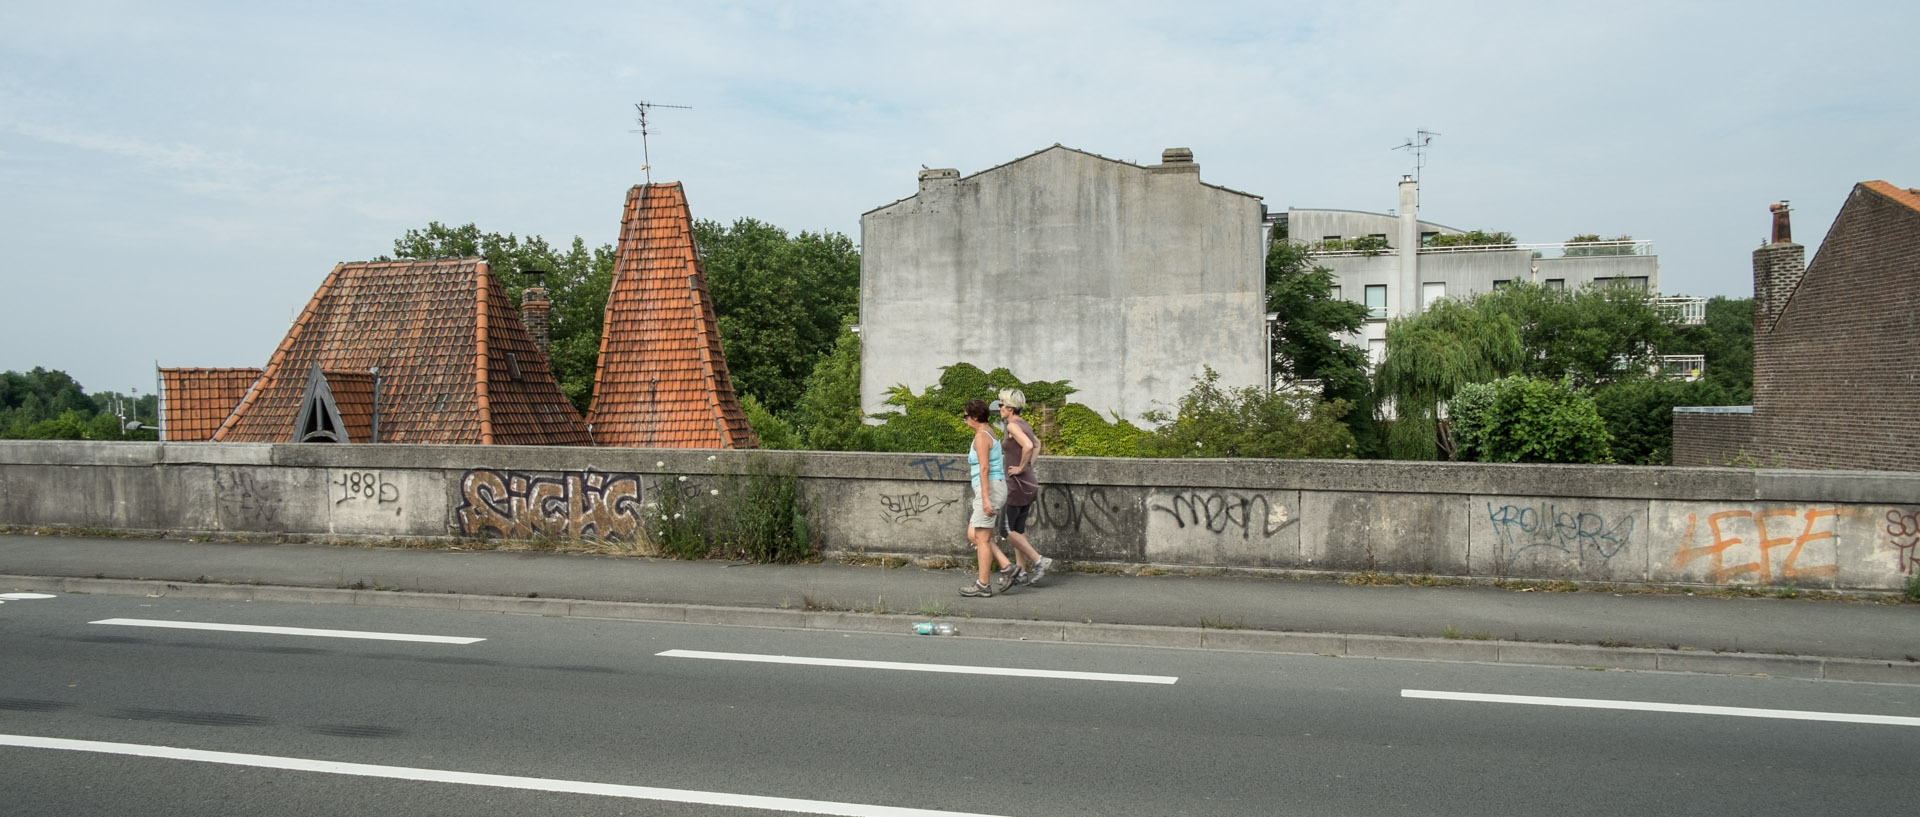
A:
[1836,347]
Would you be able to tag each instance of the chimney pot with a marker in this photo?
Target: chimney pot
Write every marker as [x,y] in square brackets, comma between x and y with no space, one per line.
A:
[1176,156]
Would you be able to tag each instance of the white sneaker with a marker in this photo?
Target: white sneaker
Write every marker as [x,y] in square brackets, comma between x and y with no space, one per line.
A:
[1038,570]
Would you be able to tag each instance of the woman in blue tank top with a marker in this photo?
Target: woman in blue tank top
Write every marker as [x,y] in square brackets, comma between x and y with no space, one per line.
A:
[990,485]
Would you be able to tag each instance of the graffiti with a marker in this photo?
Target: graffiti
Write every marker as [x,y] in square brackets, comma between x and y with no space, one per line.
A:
[1903,535]
[1729,528]
[1065,508]
[940,467]
[242,492]
[363,486]
[579,504]
[1575,534]
[1220,512]
[911,507]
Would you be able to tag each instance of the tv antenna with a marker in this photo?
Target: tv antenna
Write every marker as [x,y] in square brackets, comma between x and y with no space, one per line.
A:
[645,158]
[1418,147]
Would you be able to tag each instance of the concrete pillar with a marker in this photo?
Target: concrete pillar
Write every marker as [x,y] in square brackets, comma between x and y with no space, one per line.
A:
[1409,247]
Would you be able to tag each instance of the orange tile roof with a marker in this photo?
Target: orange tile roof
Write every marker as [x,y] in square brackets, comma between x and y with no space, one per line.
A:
[1908,196]
[353,398]
[193,402]
[662,381]
[455,364]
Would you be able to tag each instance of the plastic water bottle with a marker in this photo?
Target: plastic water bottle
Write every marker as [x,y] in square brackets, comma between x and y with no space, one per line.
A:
[930,628]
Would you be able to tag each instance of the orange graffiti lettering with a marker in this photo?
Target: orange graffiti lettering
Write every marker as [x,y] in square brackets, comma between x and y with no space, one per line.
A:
[1762,567]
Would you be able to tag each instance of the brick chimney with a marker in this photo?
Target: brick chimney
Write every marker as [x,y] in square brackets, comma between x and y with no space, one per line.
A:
[536,311]
[1777,268]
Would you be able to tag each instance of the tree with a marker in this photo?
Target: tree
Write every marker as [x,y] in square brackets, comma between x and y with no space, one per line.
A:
[1429,357]
[1726,340]
[1639,414]
[577,282]
[1250,422]
[1525,419]
[780,301]
[1593,334]
[829,415]
[1307,336]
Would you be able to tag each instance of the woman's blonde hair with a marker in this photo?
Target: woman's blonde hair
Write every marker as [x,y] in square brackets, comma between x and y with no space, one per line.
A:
[1014,399]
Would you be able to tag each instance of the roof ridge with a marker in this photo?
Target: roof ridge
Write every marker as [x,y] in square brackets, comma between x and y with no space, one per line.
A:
[483,400]
[272,368]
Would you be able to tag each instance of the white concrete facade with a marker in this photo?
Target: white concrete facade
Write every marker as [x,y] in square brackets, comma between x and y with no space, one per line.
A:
[1065,265]
[1408,276]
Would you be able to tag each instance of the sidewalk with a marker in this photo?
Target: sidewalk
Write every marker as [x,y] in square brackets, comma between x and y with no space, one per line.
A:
[1797,637]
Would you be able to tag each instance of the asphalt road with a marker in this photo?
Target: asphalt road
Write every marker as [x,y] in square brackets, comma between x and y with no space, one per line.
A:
[88,711]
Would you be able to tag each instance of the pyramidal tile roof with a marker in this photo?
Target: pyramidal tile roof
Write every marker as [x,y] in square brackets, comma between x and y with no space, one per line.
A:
[454,363]
[193,402]
[662,381]
[1908,196]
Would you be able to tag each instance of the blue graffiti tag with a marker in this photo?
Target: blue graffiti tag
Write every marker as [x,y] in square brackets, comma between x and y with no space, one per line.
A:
[938,467]
[1575,534]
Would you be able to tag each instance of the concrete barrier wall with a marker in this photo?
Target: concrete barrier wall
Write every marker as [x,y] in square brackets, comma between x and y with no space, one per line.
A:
[1714,526]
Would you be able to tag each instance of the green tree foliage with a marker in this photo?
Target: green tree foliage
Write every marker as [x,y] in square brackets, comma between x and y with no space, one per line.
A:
[1250,422]
[45,404]
[1524,419]
[1726,340]
[1429,357]
[1073,430]
[1372,245]
[774,433]
[1307,341]
[1473,238]
[1639,414]
[1592,334]
[829,416]
[780,301]
[930,421]
[577,282]
[1587,238]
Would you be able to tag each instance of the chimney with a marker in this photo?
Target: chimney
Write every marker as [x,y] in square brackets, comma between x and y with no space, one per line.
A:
[1777,269]
[1176,160]
[535,312]
[934,176]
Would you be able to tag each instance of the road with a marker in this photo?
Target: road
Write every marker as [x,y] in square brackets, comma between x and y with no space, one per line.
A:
[500,714]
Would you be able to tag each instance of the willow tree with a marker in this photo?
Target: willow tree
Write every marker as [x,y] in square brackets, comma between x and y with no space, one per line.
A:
[1430,356]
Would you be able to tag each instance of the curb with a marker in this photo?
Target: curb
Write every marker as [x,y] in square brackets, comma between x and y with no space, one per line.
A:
[1333,645]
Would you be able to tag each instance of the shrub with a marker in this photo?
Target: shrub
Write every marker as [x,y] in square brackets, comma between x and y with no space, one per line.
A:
[1250,422]
[774,433]
[753,516]
[1639,414]
[1532,420]
[1078,431]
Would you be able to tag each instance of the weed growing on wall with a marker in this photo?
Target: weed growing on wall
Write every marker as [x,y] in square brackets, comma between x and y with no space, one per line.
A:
[752,516]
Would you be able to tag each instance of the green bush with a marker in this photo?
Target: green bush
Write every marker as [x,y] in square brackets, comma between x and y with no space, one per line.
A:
[1078,431]
[1639,414]
[752,516]
[1250,422]
[1532,420]
[774,433]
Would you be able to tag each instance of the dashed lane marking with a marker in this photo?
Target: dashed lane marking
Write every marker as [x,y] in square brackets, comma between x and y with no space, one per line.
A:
[1649,706]
[895,665]
[303,631]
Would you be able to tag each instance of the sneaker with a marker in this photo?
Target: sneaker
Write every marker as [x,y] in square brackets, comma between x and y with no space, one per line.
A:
[1005,579]
[1025,577]
[1040,569]
[977,590]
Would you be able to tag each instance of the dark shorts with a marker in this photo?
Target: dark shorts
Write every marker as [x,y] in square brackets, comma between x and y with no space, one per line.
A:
[1014,519]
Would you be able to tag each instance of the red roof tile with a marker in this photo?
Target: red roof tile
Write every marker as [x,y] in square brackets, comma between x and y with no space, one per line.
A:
[193,402]
[1904,195]
[455,364]
[662,380]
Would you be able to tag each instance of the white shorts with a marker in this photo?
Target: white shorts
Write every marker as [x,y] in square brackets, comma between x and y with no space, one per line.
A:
[997,493]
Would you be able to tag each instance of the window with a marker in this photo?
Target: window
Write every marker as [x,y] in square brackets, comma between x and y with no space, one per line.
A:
[1501,283]
[1381,236]
[1557,284]
[1376,350]
[1432,291]
[1426,238]
[1333,292]
[1377,301]
[1602,282]
[1637,282]
[1329,238]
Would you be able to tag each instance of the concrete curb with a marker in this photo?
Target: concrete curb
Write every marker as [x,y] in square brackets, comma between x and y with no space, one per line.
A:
[1323,644]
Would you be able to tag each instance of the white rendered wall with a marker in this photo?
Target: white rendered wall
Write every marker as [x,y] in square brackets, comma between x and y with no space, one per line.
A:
[1062,265]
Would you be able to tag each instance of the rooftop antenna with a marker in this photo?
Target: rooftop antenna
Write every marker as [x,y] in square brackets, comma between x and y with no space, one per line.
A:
[645,157]
[1418,147]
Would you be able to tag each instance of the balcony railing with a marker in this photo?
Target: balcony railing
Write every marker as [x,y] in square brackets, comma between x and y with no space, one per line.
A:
[1683,367]
[1684,310]
[1555,250]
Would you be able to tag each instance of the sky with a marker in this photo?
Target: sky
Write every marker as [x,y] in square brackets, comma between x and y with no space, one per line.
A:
[176,179]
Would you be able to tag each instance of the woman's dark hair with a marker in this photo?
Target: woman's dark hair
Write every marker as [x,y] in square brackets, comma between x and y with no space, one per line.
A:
[976,410]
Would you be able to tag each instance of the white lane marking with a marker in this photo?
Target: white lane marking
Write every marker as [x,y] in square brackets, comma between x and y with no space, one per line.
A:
[24,596]
[708,798]
[895,665]
[252,628]
[1647,706]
